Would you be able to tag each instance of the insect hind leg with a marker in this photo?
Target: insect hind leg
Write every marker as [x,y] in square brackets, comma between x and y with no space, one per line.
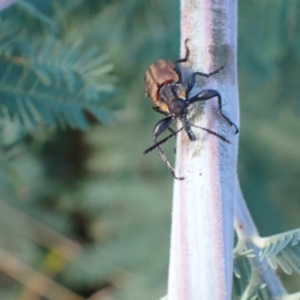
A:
[207,95]
[182,60]
[187,54]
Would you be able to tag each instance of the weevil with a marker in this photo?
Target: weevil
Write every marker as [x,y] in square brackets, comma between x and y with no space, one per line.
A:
[164,85]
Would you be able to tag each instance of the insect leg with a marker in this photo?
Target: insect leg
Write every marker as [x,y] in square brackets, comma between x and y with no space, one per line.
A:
[187,128]
[192,78]
[174,133]
[223,138]
[207,95]
[157,109]
[159,128]
[181,60]
[187,53]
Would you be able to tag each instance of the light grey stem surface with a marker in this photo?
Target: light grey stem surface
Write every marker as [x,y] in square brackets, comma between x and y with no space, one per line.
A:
[203,203]
[6,3]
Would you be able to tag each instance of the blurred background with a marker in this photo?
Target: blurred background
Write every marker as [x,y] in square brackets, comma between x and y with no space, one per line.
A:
[83,214]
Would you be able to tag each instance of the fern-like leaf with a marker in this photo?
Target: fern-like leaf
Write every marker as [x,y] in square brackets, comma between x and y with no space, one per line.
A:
[54,84]
[282,250]
[35,13]
[241,270]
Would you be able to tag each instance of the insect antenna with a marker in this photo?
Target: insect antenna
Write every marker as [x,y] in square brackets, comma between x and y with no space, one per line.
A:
[221,137]
[162,141]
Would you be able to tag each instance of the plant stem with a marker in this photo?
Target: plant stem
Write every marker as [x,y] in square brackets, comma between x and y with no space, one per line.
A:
[203,203]
[6,3]
[246,230]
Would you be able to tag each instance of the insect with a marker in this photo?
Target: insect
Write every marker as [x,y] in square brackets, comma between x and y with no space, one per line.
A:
[164,85]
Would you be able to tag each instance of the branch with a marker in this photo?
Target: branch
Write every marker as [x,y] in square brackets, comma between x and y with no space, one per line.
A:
[248,234]
[203,203]
[41,284]
[38,232]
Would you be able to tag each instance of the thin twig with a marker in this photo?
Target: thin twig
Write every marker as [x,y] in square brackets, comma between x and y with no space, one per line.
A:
[246,230]
[42,284]
[38,232]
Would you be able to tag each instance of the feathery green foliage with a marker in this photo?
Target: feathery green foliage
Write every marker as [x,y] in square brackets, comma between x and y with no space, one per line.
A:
[278,250]
[46,81]
[283,250]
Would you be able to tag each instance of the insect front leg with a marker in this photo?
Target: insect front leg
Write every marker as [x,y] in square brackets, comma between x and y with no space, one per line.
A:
[159,110]
[159,128]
